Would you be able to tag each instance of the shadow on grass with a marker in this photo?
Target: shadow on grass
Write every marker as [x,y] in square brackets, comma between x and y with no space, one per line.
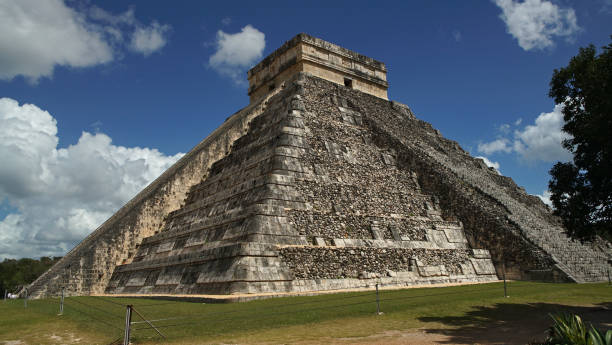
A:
[509,323]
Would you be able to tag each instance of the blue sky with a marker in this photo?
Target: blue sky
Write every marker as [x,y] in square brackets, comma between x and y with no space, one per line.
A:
[97,98]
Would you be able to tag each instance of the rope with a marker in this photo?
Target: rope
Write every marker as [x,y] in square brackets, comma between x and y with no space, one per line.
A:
[259,315]
[92,317]
[256,310]
[91,306]
[198,319]
[108,301]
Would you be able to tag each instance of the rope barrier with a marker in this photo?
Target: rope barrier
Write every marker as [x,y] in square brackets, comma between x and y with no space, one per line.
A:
[93,317]
[108,301]
[276,311]
[208,316]
[154,304]
[258,309]
[259,315]
[326,300]
[48,302]
[91,306]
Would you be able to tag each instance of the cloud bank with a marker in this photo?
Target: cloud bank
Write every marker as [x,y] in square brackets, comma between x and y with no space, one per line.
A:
[534,23]
[237,52]
[60,195]
[541,141]
[37,36]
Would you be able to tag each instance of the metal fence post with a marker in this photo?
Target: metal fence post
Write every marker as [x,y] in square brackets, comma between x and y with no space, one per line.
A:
[609,281]
[62,303]
[377,301]
[504,276]
[6,291]
[128,322]
[25,300]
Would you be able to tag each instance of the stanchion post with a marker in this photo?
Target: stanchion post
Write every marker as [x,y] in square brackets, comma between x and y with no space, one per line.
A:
[128,322]
[504,276]
[377,301]
[62,303]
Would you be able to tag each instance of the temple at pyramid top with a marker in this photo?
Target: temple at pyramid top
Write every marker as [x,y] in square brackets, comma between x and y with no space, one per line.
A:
[304,53]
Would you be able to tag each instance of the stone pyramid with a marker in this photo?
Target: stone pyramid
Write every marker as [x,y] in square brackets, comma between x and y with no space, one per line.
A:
[322,183]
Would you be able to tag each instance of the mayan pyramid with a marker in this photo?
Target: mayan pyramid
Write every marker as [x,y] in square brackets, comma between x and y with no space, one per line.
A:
[322,183]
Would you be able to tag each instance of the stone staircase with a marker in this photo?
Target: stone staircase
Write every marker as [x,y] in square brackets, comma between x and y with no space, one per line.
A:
[585,263]
[74,283]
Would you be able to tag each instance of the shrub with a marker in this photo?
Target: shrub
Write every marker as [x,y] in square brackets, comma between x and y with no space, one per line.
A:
[569,329]
[598,338]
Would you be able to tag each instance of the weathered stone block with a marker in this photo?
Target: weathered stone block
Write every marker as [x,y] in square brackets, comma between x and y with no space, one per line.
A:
[481,253]
[483,266]
[430,271]
[319,241]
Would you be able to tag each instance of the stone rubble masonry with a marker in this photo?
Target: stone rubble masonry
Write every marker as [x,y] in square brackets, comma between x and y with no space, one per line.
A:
[318,186]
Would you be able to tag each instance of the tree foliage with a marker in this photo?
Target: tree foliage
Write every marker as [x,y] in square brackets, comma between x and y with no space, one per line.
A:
[582,189]
[16,273]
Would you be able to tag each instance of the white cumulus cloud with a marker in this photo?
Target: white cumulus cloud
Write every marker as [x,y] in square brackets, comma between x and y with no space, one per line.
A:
[534,23]
[541,141]
[237,52]
[147,40]
[59,195]
[497,145]
[37,36]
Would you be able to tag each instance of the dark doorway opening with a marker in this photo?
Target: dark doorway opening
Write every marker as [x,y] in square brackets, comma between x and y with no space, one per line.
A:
[348,82]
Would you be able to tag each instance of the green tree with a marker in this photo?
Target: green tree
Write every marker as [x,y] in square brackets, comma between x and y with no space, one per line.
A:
[16,273]
[582,189]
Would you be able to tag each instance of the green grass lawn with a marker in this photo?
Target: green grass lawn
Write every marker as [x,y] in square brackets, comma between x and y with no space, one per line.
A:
[99,320]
